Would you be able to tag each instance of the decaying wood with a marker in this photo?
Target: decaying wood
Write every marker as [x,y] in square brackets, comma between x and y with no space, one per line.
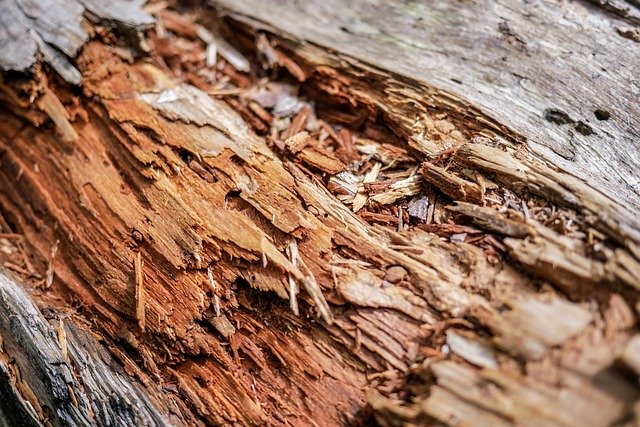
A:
[505,66]
[380,244]
[54,30]
[74,383]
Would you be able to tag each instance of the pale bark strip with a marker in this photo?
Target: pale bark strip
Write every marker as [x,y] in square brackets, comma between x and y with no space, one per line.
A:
[55,29]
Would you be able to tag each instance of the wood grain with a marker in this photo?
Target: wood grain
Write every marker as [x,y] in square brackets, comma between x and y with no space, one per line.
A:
[545,70]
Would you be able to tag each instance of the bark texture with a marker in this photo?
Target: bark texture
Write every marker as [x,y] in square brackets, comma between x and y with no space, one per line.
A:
[63,374]
[395,248]
[560,75]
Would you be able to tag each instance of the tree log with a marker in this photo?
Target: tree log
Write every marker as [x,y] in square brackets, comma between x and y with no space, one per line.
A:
[560,76]
[410,242]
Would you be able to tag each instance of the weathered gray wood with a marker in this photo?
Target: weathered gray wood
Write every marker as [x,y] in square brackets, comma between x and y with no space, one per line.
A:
[54,27]
[545,69]
[14,410]
[84,388]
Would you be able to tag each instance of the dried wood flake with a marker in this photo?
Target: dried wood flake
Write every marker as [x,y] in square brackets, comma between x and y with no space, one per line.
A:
[292,252]
[361,199]
[62,339]
[403,188]
[51,105]
[471,349]
[224,49]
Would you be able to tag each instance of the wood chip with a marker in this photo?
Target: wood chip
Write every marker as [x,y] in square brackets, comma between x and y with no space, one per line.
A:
[400,189]
[51,105]
[62,339]
[361,198]
[297,142]
[451,185]
[472,349]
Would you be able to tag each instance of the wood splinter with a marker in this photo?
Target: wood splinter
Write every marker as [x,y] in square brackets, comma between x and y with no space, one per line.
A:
[51,105]
[49,273]
[140,294]
[214,287]
[292,252]
[62,339]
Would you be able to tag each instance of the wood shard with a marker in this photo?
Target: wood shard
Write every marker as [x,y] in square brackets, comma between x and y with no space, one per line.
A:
[531,326]
[297,142]
[212,282]
[365,289]
[292,252]
[491,220]
[62,339]
[322,160]
[403,188]
[224,49]
[49,274]
[361,198]
[223,325]
[514,400]
[451,184]
[471,349]
[140,291]
[569,270]
[313,289]
[50,104]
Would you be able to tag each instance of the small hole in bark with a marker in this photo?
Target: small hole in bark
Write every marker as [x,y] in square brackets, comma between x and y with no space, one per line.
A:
[10,222]
[583,129]
[137,236]
[236,160]
[185,155]
[556,116]
[233,201]
[602,114]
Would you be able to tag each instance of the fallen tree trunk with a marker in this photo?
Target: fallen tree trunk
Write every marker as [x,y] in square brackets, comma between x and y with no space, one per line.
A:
[63,375]
[555,75]
[390,248]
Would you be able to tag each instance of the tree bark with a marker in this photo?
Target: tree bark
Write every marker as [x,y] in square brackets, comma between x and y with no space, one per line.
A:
[412,244]
[559,76]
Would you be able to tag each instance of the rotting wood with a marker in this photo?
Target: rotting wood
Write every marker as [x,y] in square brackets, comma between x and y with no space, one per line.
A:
[81,389]
[231,224]
[499,66]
